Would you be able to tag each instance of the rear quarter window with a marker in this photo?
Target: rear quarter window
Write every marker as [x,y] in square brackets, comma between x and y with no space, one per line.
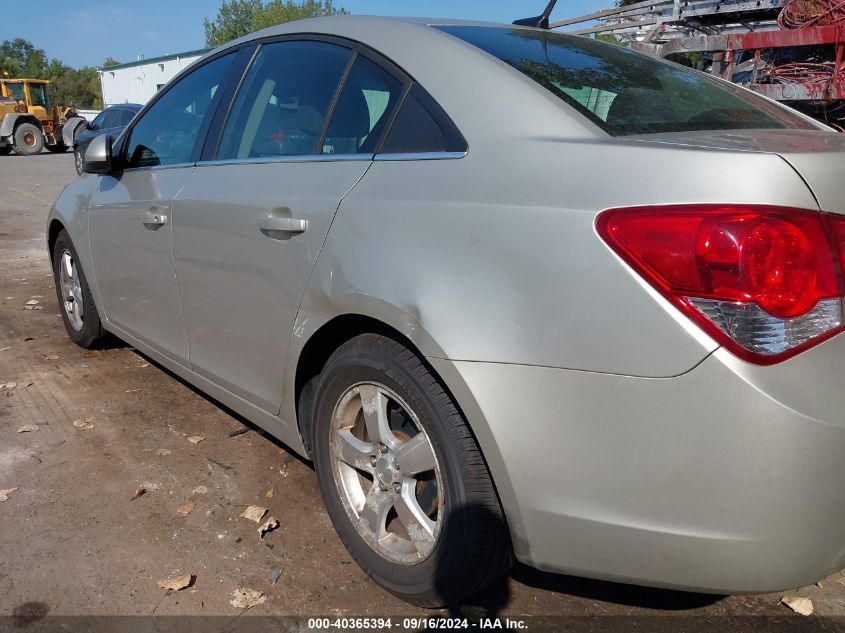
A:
[625,92]
[422,127]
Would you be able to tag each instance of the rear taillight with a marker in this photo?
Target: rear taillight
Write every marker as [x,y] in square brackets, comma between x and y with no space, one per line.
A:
[765,282]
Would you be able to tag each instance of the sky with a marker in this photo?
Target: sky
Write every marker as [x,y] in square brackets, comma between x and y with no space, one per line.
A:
[85,32]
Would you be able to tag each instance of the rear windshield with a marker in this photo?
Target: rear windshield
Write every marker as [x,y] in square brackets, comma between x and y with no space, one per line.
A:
[625,92]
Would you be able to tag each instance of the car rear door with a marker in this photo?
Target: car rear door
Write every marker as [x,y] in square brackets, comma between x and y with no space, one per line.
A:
[131,210]
[250,223]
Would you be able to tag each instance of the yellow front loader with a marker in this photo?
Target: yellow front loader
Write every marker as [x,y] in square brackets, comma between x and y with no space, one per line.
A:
[29,121]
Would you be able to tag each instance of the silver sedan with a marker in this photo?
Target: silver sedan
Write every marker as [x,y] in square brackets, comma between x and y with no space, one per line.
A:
[517,294]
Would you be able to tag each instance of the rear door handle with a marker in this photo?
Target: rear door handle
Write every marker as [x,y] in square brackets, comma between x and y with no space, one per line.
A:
[281,227]
[155,217]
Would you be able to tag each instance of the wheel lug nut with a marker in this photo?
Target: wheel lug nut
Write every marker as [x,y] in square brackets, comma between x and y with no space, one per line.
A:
[396,466]
[382,448]
[373,461]
[397,488]
[382,487]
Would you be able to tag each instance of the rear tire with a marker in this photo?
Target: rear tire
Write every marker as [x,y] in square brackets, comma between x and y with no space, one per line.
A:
[466,545]
[28,139]
[80,316]
[5,151]
[58,148]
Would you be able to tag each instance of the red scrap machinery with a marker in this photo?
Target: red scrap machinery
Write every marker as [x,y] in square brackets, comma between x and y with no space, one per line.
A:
[789,50]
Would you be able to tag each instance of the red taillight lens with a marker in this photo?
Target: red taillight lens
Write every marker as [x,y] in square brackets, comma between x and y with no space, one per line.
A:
[764,281]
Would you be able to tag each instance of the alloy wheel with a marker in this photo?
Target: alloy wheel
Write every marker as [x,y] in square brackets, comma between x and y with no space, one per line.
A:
[71,290]
[387,474]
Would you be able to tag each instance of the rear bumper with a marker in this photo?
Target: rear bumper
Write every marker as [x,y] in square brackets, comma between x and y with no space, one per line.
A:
[727,479]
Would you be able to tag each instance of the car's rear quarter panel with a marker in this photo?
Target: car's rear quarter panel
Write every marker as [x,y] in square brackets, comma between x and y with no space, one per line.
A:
[493,259]
[497,258]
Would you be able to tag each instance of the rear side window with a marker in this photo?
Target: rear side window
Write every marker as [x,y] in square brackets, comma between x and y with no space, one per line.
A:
[625,92]
[363,109]
[282,107]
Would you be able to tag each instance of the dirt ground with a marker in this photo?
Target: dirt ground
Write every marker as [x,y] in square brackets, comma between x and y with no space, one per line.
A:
[73,541]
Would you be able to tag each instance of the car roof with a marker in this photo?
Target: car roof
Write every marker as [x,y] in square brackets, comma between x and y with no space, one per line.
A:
[363,27]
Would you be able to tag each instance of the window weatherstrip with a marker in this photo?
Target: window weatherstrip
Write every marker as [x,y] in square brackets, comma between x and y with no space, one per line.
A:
[129,170]
[421,156]
[301,158]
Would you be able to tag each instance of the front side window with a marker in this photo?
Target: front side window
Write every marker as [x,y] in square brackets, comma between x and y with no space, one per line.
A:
[99,120]
[38,95]
[363,109]
[282,106]
[168,131]
[124,117]
[625,92]
[111,119]
[17,91]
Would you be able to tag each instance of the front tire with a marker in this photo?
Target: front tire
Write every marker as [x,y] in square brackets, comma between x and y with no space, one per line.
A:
[80,316]
[402,477]
[28,139]
[78,160]
[5,151]
[58,148]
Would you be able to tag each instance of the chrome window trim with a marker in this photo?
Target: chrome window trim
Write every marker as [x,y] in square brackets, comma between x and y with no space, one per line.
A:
[316,158]
[130,170]
[422,156]
[300,158]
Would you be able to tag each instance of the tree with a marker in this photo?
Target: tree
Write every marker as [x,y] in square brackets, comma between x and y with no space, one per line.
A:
[80,88]
[610,38]
[9,66]
[237,18]
[234,19]
[278,12]
[20,59]
[110,61]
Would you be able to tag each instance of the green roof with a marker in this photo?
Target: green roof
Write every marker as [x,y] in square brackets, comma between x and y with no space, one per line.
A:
[155,60]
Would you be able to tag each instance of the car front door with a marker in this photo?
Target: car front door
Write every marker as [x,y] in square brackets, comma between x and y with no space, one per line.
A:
[249,225]
[131,210]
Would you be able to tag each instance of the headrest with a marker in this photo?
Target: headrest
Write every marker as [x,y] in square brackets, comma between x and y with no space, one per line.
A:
[309,119]
[640,106]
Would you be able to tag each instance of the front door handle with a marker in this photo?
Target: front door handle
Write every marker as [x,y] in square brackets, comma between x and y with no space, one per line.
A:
[155,218]
[280,225]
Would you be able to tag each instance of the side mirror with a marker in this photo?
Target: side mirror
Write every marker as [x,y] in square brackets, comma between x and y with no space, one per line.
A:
[98,156]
